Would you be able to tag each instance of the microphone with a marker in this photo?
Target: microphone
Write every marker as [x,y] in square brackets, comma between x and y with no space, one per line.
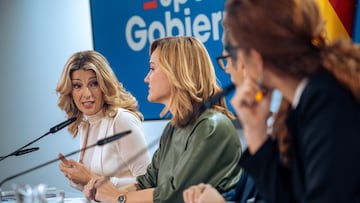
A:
[212,100]
[25,151]
[98,143]
[207,104]
[52,130]
[62,125]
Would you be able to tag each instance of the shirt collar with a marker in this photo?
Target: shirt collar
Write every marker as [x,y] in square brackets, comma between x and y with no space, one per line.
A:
[94,118]
[298,92]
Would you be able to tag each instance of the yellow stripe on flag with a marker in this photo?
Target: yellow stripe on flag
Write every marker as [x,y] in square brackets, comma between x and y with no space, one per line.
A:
[333,26]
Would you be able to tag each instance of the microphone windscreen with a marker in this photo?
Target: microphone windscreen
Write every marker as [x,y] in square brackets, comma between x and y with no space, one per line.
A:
[62,125]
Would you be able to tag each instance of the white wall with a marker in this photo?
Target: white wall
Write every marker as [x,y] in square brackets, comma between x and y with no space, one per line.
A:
[36,38]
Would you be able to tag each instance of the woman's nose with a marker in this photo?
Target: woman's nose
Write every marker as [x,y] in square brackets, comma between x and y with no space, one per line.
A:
[146,79]
[87,92]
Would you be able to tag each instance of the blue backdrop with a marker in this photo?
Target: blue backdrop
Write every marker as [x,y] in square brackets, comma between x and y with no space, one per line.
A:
[123,30]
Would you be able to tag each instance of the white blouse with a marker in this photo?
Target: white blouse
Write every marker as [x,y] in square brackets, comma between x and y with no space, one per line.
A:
[121,160]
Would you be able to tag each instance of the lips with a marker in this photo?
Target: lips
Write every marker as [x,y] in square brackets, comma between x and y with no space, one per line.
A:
[88,104]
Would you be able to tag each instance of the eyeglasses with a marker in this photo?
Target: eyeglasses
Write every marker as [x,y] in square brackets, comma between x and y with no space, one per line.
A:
[222,61]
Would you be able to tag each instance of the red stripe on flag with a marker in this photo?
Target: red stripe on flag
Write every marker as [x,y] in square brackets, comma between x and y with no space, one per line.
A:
[345,10]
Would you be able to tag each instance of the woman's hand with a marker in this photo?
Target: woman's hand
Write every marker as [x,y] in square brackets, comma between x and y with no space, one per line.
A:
[100,189]
[253,112]
[202,193]
[75,171]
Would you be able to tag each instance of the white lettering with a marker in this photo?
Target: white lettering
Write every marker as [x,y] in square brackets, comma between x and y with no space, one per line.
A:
[171,23]
[177,4]
[201,24]
[187,22]
[165,3]
[139,34]
[156,26]
[216,23]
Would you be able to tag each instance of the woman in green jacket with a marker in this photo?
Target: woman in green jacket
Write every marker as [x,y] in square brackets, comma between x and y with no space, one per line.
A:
[200,147]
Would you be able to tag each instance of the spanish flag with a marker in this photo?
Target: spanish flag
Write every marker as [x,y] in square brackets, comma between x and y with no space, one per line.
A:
[339,16]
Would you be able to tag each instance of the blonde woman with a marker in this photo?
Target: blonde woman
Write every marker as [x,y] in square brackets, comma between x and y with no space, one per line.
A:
[89,90]
[194,148]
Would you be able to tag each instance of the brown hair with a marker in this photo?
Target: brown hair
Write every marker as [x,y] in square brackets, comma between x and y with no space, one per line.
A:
[289,35]
[191,73]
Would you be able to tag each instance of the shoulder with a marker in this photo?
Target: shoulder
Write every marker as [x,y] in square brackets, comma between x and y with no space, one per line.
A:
[322,103]
[326,83]
[125,119]
[324,90]
[126,115]
[213,127]
[214,118]
[212,123]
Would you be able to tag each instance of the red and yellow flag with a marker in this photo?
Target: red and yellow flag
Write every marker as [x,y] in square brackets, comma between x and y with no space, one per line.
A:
[339,17]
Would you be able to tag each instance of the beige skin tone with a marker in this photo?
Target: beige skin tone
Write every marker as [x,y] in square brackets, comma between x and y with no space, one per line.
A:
[205,193]
[75,171]
[86,92]
[235,70]
[202,193]
[159,92]
[158,84]
[253,117]
[89,99]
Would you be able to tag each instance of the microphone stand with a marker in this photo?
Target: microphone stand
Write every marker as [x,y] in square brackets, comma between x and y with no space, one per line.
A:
[98,143]
[211,101]
[52,130]
[207,104]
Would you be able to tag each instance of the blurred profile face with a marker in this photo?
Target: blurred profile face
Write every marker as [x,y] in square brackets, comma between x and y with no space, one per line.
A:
[235,69]
[158,83]
[252,63]
[86,92]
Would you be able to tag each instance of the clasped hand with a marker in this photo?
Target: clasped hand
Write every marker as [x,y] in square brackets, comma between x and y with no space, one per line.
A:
[100,189]
[75,171]
[202,193]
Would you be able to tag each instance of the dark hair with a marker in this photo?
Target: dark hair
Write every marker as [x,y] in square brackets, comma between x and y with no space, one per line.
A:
[289,35]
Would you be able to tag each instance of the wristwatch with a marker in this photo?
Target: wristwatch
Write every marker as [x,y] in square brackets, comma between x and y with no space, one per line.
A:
[122,198]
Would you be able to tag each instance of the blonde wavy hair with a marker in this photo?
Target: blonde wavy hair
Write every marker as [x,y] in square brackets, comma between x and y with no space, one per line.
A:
[191,73]
[115,95]
[292,41]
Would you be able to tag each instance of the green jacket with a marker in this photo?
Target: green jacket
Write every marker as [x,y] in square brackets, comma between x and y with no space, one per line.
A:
[207,151]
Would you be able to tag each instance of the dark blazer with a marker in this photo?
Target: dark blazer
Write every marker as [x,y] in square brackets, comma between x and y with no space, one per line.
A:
[325,128]
[244,192]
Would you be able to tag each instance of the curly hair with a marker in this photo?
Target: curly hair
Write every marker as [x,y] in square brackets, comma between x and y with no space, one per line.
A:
[115,95]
